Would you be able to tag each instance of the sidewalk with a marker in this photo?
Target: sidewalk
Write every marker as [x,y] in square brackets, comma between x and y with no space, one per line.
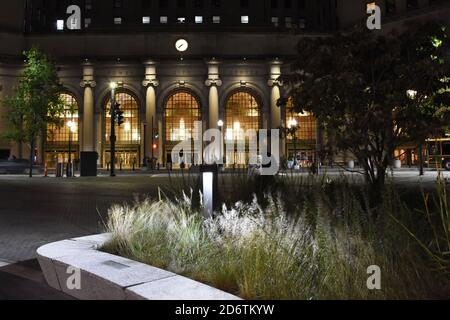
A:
[25,281]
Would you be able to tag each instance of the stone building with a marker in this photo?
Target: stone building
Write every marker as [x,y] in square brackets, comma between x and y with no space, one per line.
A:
[175,62]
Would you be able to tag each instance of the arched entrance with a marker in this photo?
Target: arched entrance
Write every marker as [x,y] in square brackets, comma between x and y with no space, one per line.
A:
[63,139]
[242,113]
[181,111]
[128,135]
[302,140]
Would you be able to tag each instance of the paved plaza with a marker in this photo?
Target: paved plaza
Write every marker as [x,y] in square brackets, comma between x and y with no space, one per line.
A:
[37,211]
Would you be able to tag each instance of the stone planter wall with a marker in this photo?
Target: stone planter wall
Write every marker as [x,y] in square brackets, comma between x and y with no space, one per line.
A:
[108,277]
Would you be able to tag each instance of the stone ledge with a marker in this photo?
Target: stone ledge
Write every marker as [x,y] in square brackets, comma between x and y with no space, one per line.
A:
[108,277]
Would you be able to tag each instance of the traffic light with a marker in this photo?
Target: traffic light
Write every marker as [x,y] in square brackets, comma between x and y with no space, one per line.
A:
[155,146]
[119,115]
[156,134]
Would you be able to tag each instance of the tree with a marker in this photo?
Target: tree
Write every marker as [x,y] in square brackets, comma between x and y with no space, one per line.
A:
[36,102]
[372,93]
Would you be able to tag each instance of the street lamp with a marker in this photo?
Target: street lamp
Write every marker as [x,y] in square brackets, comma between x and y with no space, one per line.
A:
[292,129]
[220,124]
[112,137]
[72,128]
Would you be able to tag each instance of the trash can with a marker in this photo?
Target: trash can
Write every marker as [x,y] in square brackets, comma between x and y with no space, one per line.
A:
[59,170]
[88,164]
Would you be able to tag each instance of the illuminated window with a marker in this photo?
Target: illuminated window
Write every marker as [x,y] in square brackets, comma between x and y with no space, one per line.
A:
[69,123]
[129,131]
[216,19]
[146,20]
[305,123]
[198,19]
[60,25]
[181,111]
[242,113]
[245,19]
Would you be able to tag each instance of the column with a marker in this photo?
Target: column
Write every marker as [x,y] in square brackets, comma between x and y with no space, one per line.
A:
[213,82]
[275,84]
[275,94]
[151,121]
[88,83]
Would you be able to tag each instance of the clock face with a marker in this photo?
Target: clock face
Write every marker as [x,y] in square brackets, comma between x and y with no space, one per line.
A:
[181,45]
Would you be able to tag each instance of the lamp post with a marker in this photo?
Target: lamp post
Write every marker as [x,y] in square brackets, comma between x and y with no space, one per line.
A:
[72,127]
[292,128]
[220,125]
[112,137]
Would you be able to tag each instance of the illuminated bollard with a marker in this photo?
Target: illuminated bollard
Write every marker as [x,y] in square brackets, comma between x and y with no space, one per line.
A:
[210,192]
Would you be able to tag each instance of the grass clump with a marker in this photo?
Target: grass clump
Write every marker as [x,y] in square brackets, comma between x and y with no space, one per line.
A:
[319,248]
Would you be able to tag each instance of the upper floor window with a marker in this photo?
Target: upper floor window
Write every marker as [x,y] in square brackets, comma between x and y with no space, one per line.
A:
[146,20]
[245,19]
[181,19]
[163,3]
[181,3]
[198,19]
[118,20]
[117,3]
[59,25]
[198,3]
[244,3]
[216,3]
[216,19]
[88,4]
[163,19]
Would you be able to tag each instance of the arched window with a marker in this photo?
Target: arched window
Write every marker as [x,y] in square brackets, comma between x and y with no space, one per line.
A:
[63,139]
[129,131]
[128,135]
[181,111]
[302,138]
[304,122]
[242,113]
[69,123]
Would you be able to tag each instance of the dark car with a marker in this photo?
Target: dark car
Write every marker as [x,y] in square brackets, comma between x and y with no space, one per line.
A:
[14,166]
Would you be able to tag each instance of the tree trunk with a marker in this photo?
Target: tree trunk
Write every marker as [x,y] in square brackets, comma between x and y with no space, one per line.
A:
[421,159]
[32,143]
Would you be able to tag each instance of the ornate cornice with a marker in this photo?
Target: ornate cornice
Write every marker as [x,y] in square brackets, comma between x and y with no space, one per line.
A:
[150,82]
[274,82]
[88,83]
[213,82]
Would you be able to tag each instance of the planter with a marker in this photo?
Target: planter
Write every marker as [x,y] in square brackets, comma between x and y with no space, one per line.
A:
[105,276]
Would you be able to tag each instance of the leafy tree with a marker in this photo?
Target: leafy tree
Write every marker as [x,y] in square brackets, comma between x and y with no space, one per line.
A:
[372,93]
[36,102]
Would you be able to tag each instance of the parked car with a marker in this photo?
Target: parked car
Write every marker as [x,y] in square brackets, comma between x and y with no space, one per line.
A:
[14,166]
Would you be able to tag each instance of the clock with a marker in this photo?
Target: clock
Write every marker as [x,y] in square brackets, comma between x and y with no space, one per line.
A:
[181,45]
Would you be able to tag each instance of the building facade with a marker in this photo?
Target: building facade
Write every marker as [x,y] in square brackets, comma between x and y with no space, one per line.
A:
[175,62]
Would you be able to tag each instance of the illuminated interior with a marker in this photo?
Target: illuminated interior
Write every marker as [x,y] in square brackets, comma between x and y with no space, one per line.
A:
[128,134]
[58,137]
[242,113]
[304,144]
[181,112]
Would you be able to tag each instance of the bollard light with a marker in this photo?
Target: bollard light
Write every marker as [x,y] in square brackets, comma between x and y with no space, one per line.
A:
[209,189]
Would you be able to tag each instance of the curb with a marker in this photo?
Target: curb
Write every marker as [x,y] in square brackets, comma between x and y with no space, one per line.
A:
[104,276]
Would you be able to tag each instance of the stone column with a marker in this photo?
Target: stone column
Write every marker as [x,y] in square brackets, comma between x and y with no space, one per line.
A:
[151,122]
[213,82]
[88,83]
[275,94]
